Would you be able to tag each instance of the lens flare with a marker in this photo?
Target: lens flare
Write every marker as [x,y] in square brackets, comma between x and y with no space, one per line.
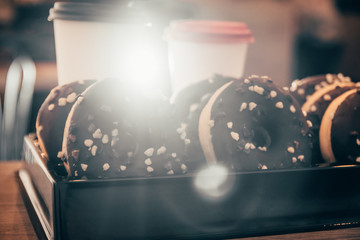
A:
[214,182]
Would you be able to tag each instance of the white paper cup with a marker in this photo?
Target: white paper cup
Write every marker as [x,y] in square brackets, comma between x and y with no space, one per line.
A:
[94,41]
[199,49]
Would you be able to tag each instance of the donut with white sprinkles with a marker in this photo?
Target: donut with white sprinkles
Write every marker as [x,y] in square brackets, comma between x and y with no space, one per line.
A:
[255,126]
[302,89]
[188,104]
[116,130]
[340,130]
[315,107]
[51,118]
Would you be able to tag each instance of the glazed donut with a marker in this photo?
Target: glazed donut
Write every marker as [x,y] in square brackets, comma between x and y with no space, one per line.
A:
[51,119]
[188,104]
[250,124]
[340,129]
[113,130]
[302,89]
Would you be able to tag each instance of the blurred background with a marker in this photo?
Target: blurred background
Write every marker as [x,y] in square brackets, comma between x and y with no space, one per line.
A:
[293,38]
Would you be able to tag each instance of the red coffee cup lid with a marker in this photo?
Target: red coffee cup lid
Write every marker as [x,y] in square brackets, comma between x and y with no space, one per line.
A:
[209,31]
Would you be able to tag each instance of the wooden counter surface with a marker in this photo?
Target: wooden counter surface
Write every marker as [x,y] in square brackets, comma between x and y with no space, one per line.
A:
[16,225]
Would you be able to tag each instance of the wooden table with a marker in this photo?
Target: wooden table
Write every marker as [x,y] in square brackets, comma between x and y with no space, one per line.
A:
[16,225]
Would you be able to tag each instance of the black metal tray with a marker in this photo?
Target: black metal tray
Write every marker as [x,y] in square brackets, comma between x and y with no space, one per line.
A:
[257,203]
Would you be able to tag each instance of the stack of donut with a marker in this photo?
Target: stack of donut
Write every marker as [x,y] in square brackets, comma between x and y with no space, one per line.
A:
[111,128]
[335,136]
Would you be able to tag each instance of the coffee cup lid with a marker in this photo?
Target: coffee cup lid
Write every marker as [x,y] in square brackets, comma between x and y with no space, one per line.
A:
[101,12]
[209,31]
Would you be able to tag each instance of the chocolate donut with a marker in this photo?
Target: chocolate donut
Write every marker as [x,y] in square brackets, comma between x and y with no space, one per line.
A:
[250,124]
[315,107]
[302,89]
[188,104]
[114,130]
[340,129]
[52,116]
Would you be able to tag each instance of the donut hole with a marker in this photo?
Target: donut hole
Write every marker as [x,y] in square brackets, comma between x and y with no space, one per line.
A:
[261,137]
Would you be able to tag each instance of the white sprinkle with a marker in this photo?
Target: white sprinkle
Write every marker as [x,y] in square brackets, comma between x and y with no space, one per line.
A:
[183,135]
[76,173]
[181,128]
[148,161]
[210,80]
[358,141]
[254,76]
[279,105]
[62,102]
[193,107]
[329,78]
[149,169]
[243,106]
[106,166]
[264,148]
[122,167]
[247,146]
[309,123]
[252,105]
[294,160]
[313,108]
[301,158]
[187,141]
[327,97]
[246,81]
[105,139]
[273,93]
[183,167]
[293,88]
[161,150]
[286,89]
[358,159]
[130,154]
[171,172]
[84,166]
[88,142]
[71,97]
[252,146]
[304,113]
[97,133]
[291,149]
[211,123]
[229,125]
[301,91]
[264,167]
[235,136]
[251,88]
[51,107]
[93,150]
[292,109]
[258,90]
[114,132]
[173,155]
[149,152]
[60,154]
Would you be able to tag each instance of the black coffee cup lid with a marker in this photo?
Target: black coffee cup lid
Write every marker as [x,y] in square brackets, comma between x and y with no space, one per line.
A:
[100,12]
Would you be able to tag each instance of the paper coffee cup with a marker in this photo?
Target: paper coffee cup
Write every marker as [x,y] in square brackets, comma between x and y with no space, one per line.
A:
[95,41]
[200,48]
